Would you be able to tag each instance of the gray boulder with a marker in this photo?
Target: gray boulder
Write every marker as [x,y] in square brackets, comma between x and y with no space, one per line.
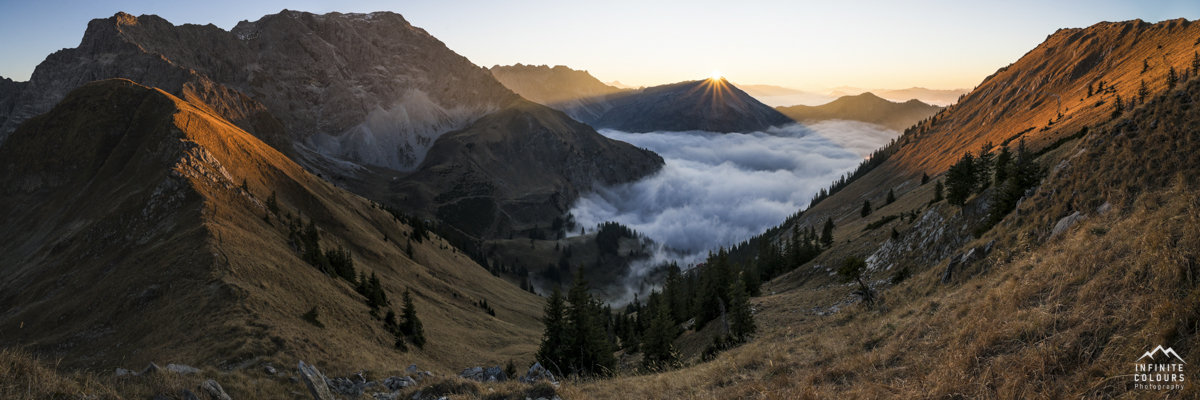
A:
[125,372]
[188,395]
[315,381]
[150,369]
[1066,223]
[182,369]
[214,390]
[412,369]
[537,373]
[270,369]
[396,383]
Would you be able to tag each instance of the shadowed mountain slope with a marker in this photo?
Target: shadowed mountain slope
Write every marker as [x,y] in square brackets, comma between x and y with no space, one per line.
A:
[137,227]
[711,105]
[576,93]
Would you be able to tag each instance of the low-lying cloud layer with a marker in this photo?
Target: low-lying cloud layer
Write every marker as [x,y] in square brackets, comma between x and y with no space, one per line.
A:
[719,189]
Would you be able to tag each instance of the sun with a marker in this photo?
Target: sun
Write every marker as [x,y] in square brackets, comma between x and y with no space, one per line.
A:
[716,75]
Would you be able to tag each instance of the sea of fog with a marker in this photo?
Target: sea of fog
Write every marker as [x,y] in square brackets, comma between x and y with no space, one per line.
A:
[719,189]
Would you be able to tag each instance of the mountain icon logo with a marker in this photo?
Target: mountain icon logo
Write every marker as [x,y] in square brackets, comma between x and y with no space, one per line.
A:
[1166,352]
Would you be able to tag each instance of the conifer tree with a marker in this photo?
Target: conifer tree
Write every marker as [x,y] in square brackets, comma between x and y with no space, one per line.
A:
[551,353]
[891,197]
[866,208]
[658,350]
[1002,161]
[412,326]
[1118,107]
[1172,78]
[741,320]
[937,192]
[752,279]
[588,348]
[852,270]
[273,204]
[983,166]
[1143,92]
[960,180]
[924,178]
[827,232]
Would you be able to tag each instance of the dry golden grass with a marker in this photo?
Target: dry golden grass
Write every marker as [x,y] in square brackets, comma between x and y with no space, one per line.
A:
[1041,317]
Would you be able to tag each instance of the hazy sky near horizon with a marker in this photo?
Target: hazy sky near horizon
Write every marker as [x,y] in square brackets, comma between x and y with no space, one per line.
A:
[812,45]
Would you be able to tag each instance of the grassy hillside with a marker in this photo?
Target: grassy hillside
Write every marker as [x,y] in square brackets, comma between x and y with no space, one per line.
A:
[131,216]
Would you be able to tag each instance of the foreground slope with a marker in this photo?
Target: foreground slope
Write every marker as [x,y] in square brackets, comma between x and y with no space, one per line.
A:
[1040,315]
[137,227]
[865,107]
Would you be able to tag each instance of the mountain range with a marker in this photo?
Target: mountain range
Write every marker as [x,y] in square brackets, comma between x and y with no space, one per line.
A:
[360,99]
[865,107]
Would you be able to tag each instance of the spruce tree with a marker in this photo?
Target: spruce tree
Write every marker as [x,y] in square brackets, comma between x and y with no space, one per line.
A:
[588,349]
[960,180]
[924,178]
[1118,107]
[551,353]
[937,192]
[891,197]
[1172,78]
[983,167]
[866,208]
[827,233]
[412,326]
[1143,92]
[741,319]
[1002,162]
[752,279]
[658,350]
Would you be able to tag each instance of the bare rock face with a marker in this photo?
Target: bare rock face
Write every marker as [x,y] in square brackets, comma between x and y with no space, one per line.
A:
[369,88]
[110,49]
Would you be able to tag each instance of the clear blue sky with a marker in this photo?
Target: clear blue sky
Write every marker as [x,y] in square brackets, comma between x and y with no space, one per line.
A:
[868,44]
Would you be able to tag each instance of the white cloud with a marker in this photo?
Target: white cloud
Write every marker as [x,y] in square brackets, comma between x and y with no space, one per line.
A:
[719,189]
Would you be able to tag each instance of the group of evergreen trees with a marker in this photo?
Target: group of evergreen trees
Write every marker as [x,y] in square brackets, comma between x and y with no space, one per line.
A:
[582,333]
[1012,174]
[409,328]
[575,341]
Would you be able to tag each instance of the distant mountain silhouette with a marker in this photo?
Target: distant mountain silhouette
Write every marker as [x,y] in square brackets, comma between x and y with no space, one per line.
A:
[712,105]
[865,107]
[576,93]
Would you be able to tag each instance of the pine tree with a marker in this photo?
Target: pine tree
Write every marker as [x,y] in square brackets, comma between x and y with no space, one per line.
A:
[588,348]
[960,180]
[983,166]
[408,250]
[741,319]
[866,208]
[1172,78]
[827,232]
[412,326]
[1145,65]
[1089,90]
[1142,93]
[272,204]
[551,353]
[937,192]
[891,197]
[752,279]
[852,270]
[1002,161]
[924,178]
[1195,62]
[1118,107]
[658,350]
